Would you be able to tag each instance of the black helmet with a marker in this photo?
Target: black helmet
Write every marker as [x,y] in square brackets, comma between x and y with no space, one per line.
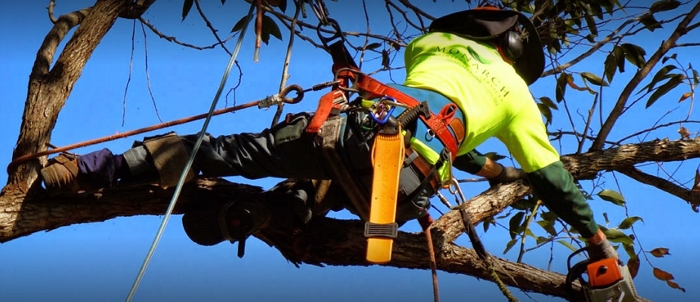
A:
[489,22]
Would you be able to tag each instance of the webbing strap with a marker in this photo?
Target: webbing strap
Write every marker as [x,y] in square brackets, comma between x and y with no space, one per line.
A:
[325,105]
[376,89]
[387,159]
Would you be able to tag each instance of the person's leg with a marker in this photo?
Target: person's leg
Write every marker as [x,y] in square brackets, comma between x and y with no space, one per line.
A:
[283,151]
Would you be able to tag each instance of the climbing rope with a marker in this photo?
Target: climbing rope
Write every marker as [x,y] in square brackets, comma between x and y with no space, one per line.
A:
[187,167]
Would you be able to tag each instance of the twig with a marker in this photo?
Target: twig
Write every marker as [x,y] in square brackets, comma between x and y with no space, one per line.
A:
[131,68]
[178,42]
[50,8]
[287,58]
[642,73]
[258,30]
[148,76]
[210,26]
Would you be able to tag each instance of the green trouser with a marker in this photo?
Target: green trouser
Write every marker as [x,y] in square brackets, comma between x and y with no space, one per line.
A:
[554,185]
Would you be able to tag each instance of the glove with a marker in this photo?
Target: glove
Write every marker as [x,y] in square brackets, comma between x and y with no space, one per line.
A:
[508,174]
[602,250]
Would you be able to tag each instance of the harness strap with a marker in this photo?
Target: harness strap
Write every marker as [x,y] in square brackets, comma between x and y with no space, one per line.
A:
[387,160]
[327,139]
[375,89]
[326,105]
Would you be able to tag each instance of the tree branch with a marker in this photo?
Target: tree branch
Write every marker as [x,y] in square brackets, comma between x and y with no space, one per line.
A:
[49,90]
[691,197]
[616,112]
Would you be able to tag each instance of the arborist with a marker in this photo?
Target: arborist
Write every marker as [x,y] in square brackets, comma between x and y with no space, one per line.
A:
[467,79]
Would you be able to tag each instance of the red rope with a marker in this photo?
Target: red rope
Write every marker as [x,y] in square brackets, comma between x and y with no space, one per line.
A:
[103,139]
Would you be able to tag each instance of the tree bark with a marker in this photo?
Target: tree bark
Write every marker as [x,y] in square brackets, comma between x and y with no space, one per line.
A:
[49,88]
[327,241]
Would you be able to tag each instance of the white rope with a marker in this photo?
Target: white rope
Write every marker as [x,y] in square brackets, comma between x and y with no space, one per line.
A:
[197,144]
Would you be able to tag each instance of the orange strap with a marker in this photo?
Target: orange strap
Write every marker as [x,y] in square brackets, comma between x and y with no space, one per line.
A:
[376,89]
[325,106]
[387,159]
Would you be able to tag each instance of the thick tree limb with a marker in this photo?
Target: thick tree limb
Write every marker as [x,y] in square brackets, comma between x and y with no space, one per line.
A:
[328,241]
[49,89]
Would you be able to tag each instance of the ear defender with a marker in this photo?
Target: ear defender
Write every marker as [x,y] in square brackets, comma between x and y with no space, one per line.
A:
[510,45]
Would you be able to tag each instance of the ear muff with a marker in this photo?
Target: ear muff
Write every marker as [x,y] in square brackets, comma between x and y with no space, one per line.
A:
[510,45]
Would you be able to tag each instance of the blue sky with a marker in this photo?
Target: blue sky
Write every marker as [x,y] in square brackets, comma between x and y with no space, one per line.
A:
[99,261]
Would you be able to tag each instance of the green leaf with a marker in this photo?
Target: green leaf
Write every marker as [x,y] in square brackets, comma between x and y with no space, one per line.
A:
[529,232]
[664,5]
[549,216]
[541,240]
[523,204]
[546,111]
[547,226]
[634,54]
[662,74]
[612,196]
[628,222]
[610,66]
[665,88]
[696,77]
[373,46]
[561,86]
[186,7]
[514,224]
[509,245]
[593,79]
[487,223]
[650,22]
[618,236]
[239,25]
[620,56]
[591,25]
[671,57]
[269,27]
[566,244]
[547,101]
[629,248]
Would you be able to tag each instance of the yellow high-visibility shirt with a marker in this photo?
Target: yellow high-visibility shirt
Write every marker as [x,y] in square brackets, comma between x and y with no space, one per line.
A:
[493,97]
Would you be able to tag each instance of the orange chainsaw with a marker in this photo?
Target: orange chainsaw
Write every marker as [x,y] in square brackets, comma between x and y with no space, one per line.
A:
[607,280]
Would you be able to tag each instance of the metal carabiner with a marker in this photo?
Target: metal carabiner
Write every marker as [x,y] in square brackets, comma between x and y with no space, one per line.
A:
[382,106]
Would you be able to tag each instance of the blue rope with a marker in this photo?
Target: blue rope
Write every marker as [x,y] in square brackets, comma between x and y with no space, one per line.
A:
[197,144]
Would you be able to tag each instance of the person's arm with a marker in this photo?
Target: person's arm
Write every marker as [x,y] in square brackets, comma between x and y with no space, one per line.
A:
[476,163]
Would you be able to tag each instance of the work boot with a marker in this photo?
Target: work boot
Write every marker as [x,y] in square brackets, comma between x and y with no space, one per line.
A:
[61,175]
